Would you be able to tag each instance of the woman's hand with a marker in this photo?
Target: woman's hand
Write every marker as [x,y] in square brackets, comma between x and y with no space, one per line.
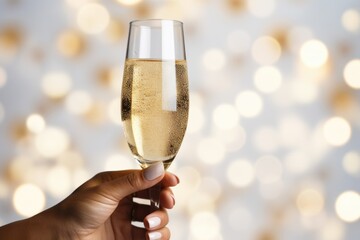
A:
[102,208]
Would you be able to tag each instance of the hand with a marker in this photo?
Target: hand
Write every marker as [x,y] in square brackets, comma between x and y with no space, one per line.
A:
[102,207]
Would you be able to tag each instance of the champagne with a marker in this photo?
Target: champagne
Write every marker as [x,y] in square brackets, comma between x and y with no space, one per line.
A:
[154,108]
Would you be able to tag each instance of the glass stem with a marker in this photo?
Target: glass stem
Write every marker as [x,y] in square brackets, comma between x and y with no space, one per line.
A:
[154,195]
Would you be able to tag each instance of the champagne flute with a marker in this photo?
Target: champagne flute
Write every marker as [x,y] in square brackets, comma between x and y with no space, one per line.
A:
[155,93]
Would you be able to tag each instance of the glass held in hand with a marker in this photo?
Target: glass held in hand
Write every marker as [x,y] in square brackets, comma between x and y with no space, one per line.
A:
[155,92]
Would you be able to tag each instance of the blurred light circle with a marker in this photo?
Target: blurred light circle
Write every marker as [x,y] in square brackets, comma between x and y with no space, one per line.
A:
[211,186]
[268,169]
[351,20]
[249,103]
[303,91]
[225,116]
[298,35]
[17,167]
[92,18]
[28,199]
[214,59]
[129,2]
[352,73]
[2,77]
[211,151]
[297,162]
[240,173]
[35,123]
[293,131]
[266,50]
[261,9]
[190,182]
[347,206]
[52,142]
[314,53]
[266,139]
[336,131]
[117,162]
[201,202]
[196,119]
[205,225]
[310,202]
[58,181]
[234,138]
[267,79]
[351,163]
[78,102]
[56,84]
[113,111]
[238,41]
[333,229]
[71,159]
[71,44]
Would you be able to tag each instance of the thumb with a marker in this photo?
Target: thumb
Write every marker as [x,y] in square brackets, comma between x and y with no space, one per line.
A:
[135,181]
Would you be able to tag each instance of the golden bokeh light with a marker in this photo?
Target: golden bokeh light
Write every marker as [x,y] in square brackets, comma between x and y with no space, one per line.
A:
[56,84]
[17,167]
[205,225]
[51,142]
[214,59]
[266,50]
[3,77]
[336,131]
[268,169]
[240,173]
[116,30]
[261,9]
[351,163]
[314,53]
[97,113]
[28,199]
[92,18]
[35,123]
[129,2]
[71,43]
[225,116]
[351,20]
[249,104]
[58,181]
[347,206]
[211,151]
[201,202]
[78,102]
[310,202]
[238,41]
[267,79]
[71,160]
[352,73]
[10,40]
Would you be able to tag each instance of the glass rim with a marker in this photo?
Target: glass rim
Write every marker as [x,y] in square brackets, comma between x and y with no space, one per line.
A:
[155,20]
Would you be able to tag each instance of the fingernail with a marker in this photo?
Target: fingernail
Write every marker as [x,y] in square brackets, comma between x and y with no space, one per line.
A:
[177,179]
[173,197]
[154,235]
[154,171]
[154,222]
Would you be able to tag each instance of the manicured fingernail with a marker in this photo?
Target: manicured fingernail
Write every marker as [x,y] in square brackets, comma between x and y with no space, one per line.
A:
[154,222]
[154,171]
[173,197]
[154,235]
[177,178]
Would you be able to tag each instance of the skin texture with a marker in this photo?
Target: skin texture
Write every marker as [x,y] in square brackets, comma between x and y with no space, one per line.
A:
[102,208]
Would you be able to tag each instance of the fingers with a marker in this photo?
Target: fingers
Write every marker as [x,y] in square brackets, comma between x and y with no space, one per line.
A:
[167,199]
[155,224]
[163,233]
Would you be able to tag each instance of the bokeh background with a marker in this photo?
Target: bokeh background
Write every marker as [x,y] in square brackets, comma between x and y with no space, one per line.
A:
[272,147]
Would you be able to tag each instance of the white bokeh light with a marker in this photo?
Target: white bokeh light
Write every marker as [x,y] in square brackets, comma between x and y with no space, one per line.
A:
[51,142]
[351,20]
[347,206]
[28,199]
[336,131]
[225,116]
[268,169]
[211,151]
[129,2]
[205,225]
[249,103]
[352,73]
[310,202]
[58,181]
[240,173]
[114,111]
[56,84]
[267,79]
[314,53]
[261,9]
[35,123]
[78,102]
[214,59]
[351,163]
[92,18]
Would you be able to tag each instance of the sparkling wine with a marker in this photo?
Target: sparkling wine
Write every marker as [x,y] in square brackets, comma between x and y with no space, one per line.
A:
[154,108]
